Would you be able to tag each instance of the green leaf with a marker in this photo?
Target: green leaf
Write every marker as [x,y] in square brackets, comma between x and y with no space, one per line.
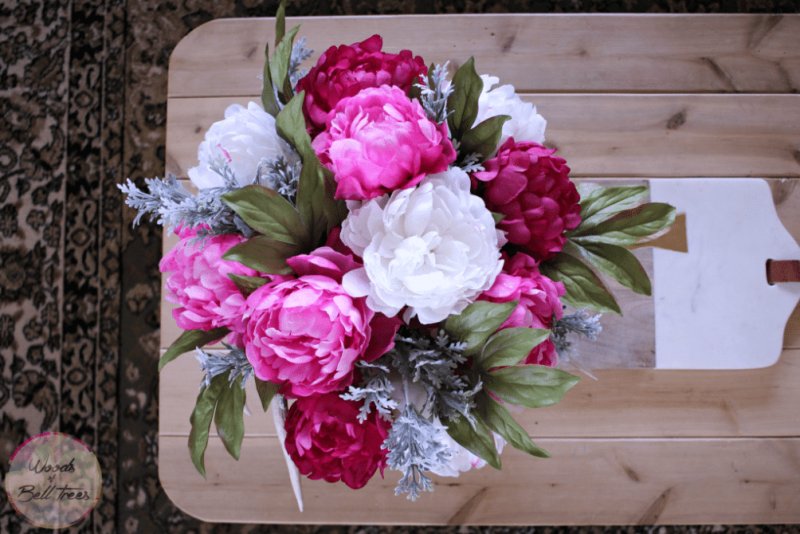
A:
[534,386]
[229,418]
[510,346]
[263,254]
[631,225]
[463,103]
[266,391]
[190,340]
[497,217]
[484,138]
[617,262]
[280,22]
[247,284]
[268,98]
[477,322]
[498,419]
[201,418]
[604,202]
[268,213]
[279,64]
[584,288]
[291,125]
[318,209]
[478,440]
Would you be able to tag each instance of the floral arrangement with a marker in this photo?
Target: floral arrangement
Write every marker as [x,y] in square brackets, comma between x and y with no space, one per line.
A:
[394,257]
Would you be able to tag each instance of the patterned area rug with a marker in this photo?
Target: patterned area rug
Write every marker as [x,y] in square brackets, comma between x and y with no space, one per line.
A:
[83,85]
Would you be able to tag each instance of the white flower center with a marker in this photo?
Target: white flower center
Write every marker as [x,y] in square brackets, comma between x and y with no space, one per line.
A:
[412,254]
[432,249]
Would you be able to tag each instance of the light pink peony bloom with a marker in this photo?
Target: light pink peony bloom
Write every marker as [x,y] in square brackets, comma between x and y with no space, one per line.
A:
[530,186]
[307,333]
[326,441]
[198,281]
[345,70]
[539,302]
[379,141]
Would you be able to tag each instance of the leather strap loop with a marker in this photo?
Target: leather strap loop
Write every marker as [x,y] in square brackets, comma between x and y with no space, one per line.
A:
[779,271]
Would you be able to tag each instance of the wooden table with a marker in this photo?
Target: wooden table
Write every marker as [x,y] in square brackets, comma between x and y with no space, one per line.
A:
[624,96]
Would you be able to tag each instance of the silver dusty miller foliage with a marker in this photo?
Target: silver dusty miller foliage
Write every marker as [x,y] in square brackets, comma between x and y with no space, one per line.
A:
[281,176]
[375,391]
[580,323]
[415,447]
[430,365]
[433,95]
[469,163]
[170,204]
[217,363]
[472,163]
[300,53]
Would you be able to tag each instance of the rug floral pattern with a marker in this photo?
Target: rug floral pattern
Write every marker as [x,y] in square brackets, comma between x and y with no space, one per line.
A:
[83,87]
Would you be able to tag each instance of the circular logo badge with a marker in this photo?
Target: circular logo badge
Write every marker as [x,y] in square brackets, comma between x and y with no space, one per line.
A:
[53,480]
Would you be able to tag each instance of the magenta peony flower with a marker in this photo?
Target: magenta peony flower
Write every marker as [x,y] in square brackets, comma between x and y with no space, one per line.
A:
[538,298]
[345,70]
[198,281]
[307,332]
[379,141]
[531,188]
[326,441]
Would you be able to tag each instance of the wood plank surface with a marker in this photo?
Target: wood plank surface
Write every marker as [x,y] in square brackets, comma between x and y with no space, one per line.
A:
[620,403]
[607,53]
[609,135]
[599,482]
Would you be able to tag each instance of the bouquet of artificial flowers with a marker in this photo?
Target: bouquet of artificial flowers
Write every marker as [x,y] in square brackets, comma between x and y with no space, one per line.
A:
[394,257]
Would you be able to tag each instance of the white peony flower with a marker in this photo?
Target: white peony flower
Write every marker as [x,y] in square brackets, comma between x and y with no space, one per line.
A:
[245,138]
[461,459]
[433,248]
[525,123]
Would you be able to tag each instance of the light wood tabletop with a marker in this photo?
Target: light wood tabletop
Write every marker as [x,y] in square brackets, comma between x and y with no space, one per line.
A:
[625,96]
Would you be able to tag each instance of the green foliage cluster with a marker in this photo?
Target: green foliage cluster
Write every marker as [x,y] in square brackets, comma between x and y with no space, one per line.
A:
[496,357]
[612,220]
[462,107]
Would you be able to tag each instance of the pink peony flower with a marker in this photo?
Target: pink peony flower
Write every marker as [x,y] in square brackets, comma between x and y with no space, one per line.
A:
[538,298]
[345,70]
[307,332]
[198,281]
[531,188]
[326,441]
[379,141]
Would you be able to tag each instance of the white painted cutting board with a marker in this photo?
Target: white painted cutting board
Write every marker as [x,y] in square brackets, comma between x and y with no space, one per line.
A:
[714,308]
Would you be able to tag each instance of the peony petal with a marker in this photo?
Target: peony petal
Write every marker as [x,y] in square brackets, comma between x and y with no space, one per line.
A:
[356,283]
[383,330]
